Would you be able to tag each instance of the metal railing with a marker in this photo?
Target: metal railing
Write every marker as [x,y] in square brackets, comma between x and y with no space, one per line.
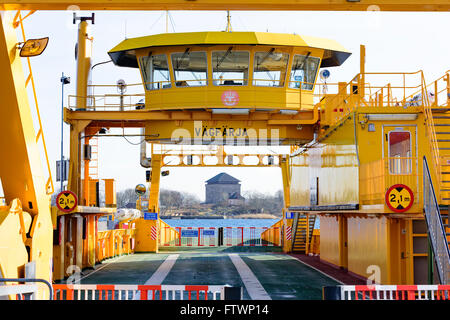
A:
[132,96]
[436,230]
[23,291]
[139,292]
[387,292]
[404,89]
[440,92]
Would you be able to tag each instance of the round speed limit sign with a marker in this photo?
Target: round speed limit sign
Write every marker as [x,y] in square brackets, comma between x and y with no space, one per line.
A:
[399,198]
[66,201]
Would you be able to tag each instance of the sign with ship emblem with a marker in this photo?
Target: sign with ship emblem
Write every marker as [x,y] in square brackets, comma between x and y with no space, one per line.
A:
[399,198]
[66,201]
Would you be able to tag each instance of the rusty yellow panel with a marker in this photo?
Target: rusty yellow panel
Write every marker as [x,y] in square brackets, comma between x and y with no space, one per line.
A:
[329,239]
[300,185]
[338,176]
[368,248]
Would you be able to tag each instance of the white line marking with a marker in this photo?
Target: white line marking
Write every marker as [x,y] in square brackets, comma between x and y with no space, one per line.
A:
[100,268]
[253,286]
[318,270]
[158,277]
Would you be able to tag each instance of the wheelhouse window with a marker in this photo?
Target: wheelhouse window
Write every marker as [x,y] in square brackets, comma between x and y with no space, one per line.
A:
[270,68]
[190,68]
[230,68]
[400,161]
[304,71]
[155,72]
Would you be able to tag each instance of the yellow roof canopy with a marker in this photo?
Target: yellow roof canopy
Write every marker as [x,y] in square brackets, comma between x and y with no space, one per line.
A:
[124,53]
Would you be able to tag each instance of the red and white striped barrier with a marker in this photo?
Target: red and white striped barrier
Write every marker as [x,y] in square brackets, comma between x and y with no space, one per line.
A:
[288,233]
[395,292]
[153,232]
[136,292]
[232,236]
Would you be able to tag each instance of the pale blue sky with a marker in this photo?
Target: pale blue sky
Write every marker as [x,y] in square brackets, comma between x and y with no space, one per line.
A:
[394,42]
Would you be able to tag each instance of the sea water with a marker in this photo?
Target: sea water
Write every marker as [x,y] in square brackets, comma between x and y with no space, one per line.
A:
[208,223]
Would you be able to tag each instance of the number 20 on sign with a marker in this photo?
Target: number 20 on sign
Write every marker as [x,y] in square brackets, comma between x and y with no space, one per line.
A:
[399,198]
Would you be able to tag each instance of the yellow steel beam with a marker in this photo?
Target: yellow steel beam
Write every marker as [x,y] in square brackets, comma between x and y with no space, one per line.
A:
[286,176]
[141,115]
[308,5]
[220,160]
[21,170]
[84,52]
[153,203]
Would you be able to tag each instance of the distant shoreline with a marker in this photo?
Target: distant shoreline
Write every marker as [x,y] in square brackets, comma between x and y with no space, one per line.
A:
[238,216]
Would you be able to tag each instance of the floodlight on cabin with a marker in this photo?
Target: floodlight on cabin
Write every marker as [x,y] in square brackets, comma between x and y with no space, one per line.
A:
[33,47]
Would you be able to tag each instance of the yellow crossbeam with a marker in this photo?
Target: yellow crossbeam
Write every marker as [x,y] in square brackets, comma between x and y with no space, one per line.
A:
[307,5]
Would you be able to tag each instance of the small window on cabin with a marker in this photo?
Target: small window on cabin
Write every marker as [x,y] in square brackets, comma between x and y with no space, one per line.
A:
[155,72]
[400,161]
[230,68]
[190,69]
[270,68]
[304,71]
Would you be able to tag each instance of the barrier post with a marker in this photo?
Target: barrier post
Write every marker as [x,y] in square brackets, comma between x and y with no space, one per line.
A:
[331,293]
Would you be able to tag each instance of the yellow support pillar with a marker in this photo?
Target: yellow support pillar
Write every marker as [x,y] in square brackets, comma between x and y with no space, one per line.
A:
[84,53]
[362,70]
[75,174]
[153,203]
[147,231]
[286,176]
[20,164]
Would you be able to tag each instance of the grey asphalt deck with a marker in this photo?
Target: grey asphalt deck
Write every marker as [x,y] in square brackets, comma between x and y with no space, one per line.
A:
[279,276]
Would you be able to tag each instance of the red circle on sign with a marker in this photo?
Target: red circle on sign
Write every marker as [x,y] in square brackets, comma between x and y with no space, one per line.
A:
[386,198]
[230,98]
[65,194]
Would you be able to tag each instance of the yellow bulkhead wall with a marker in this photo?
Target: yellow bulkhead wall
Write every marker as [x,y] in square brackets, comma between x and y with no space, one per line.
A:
[331,168]
[373,241]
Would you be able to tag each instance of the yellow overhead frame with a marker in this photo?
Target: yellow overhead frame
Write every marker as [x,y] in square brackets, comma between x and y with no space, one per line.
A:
[307,5]
[21,170]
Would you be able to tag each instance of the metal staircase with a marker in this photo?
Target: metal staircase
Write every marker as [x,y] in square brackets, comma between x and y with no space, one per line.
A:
[304,225]
[436,227]
[437,116]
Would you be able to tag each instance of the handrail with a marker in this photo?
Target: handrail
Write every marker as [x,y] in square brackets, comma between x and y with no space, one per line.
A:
[436,230]
[50,288]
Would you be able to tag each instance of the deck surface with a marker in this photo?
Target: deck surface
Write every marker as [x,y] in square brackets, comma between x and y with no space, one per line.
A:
[262,273]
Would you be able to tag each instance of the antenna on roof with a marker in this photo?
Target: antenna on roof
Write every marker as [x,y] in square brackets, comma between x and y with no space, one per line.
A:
[229,29]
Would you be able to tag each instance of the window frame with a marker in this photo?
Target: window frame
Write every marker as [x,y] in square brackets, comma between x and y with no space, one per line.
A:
[302,82]
[143,73]
[288,63]
[243,80]
[171,53]
[393,157]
